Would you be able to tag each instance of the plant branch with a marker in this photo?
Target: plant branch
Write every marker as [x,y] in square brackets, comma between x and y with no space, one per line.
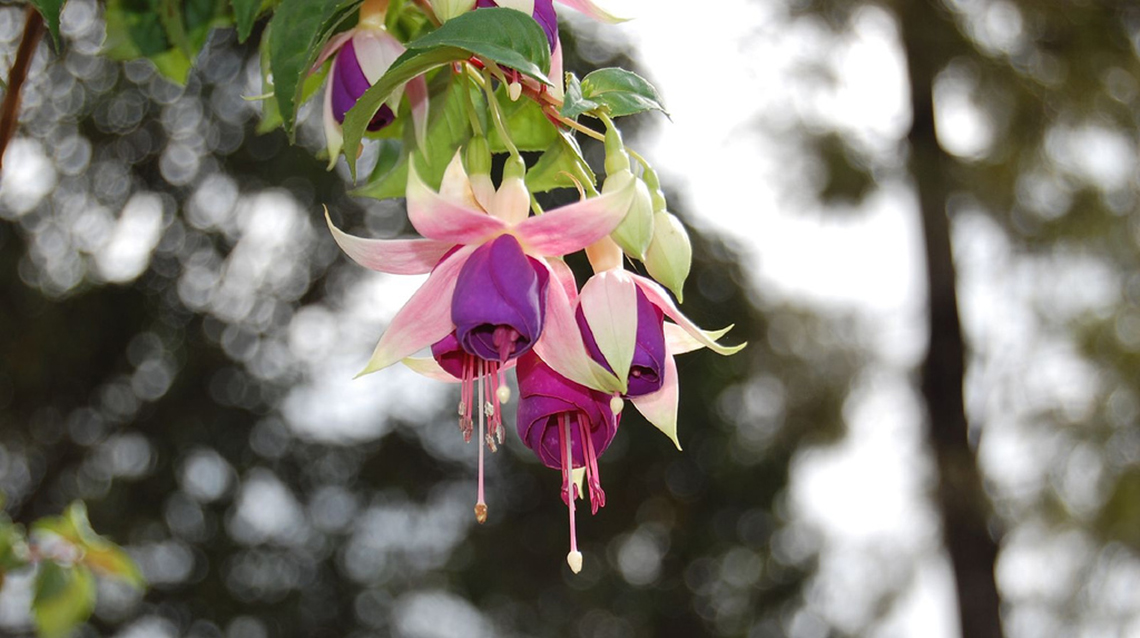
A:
[10,108]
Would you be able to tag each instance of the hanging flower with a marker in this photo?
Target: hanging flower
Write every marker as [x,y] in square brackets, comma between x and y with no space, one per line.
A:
[361,56]
[621,316]
[567,426]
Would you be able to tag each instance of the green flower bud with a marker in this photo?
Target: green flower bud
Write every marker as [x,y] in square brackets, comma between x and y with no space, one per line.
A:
[635,232]
[515,167]
[478,156]
[617,159]
[670,254]
[654,184]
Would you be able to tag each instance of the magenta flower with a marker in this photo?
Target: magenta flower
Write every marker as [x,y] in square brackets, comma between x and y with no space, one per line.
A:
[568,426]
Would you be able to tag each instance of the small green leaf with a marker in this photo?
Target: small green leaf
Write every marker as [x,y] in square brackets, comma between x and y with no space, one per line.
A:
[245,14]
[573,104]
[95,551]
[64,598]
[508,37]
[300,29]
[527,125]
[621,92]
[50,10]
[13,546]
[561,166]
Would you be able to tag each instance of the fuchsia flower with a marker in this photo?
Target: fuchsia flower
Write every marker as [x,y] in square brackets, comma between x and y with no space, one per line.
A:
[488,289]
[362,56]
[568,426]
[621,316]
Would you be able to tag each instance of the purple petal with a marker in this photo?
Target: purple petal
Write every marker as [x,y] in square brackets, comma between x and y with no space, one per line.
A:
[449,355]
[543,14]
[500,300]
[348,84]
[544,395]
[646,374]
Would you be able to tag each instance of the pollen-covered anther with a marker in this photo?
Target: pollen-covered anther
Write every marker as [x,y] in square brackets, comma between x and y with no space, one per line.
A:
[616,404]
[481,513]
[503,394]
[574,559]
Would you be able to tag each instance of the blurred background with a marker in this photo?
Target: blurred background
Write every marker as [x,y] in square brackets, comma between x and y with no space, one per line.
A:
[179,333]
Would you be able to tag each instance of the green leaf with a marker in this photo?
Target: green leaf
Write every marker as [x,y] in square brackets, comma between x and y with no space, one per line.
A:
[170,14]
[96,552]
[447,130]
[245,14]
[64,598]
[621,92]
[167,32]
[561,166]
[13,546]
[412,63]
[50,10]
[508,37]
[573,104]
[528,127]
[299,30]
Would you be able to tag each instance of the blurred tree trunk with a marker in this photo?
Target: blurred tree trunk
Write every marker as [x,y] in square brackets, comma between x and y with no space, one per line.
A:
[927,39]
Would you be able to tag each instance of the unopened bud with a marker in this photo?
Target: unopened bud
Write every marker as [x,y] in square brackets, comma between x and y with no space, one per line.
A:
[448,9]
[670,254]
[478,156]
[617,159]
[653,183]
[635,232]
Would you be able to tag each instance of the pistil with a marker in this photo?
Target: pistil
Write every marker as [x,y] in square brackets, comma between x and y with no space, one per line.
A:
[574,558]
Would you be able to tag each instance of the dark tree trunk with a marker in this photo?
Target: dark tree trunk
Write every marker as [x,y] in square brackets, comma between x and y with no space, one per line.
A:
[961,499]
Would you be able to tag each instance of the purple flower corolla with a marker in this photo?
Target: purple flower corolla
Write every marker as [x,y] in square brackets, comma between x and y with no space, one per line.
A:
[624,335]
[568,426]
[362,56]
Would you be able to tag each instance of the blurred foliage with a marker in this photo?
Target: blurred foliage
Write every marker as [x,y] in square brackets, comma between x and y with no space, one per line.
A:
[177,340]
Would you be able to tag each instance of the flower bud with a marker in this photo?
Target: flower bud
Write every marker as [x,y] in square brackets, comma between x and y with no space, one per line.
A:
[635,232]
[670,254]
[654,184]
[512,200]
[617,159]
[448,9]
[478,157]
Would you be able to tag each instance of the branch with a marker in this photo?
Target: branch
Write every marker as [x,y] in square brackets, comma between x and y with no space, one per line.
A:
[960,496]
[10,108]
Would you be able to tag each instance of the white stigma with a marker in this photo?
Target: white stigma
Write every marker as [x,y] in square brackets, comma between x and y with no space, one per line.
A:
[575,561]
[503,393]
[616,404]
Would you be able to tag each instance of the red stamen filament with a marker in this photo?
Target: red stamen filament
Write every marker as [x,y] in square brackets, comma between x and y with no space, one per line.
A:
[593,476]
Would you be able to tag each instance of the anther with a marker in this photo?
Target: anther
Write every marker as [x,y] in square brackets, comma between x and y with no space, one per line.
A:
[481,516]
[574,559]
[616,404]
[503,393]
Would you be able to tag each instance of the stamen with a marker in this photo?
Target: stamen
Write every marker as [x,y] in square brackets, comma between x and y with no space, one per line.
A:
[616,404]
[593,476]
[481,505]
[574,558]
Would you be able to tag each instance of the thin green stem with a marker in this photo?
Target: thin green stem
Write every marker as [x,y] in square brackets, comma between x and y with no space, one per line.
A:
[468,105]
[496,114]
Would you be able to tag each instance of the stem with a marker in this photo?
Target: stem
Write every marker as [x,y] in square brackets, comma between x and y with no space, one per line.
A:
[496,114]
[469,106]
[960,496]
[10,108]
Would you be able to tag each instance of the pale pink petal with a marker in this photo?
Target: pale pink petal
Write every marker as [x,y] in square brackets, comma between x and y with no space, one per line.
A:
[594,10]
[556,75]
[609,304]
[677,341]
[435,217]
[417,91]
[332,46]
[565,276]
[573,227]
[456,186]
[393,256]
[376,50]
[660,407]
[425,319]
[430,368]
[658,297]
[561,346]
[334,139]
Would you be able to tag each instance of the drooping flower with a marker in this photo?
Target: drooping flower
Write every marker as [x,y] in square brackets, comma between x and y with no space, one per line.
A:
[621,315]
[489,287]
[567,426]
[362,56]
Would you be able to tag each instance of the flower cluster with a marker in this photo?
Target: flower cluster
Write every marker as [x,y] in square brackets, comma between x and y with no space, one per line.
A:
[499,295]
